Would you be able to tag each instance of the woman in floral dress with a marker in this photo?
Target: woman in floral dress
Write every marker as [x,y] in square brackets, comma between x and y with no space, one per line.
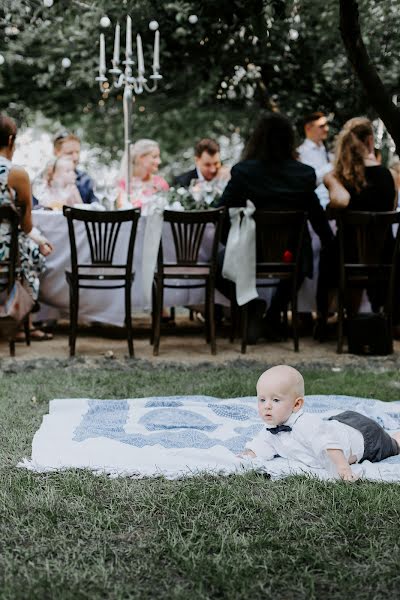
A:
[15,190]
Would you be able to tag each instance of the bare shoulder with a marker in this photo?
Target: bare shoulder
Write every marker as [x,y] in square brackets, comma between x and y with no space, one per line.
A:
[18,175]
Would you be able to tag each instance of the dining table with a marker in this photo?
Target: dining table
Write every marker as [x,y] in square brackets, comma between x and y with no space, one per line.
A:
[98,306]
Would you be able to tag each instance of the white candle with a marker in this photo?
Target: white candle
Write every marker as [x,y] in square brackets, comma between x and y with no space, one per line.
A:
[102,67]
[156,58]
[128,50]
[140,54]
[116,44]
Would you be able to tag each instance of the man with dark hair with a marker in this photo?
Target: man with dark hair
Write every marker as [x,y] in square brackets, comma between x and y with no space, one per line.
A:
[207,160]
[313,151]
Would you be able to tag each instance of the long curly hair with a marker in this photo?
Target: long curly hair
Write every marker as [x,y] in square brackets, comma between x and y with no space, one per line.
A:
[351,147]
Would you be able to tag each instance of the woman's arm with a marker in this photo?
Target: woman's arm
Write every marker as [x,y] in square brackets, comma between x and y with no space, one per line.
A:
[396,188]
[338,195]
[18,180]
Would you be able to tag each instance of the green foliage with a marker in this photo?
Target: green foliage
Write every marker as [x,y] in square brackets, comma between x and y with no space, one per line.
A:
[241,56]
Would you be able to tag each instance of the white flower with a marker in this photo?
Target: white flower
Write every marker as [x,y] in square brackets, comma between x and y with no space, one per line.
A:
[181,191]
[176,206]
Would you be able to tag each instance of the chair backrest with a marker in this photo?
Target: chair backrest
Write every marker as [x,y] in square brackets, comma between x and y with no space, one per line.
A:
[279,237]
[188,228]
[102,230]
[8,265]
[366,238]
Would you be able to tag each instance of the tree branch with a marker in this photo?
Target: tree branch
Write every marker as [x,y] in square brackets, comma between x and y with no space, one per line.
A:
[368,75]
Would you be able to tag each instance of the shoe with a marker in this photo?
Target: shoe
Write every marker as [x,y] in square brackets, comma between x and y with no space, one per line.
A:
[273,330]
[36,335]
[320,332]
[256,310]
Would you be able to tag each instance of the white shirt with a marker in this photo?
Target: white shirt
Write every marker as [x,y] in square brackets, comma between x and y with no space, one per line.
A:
[308,441]
[316,156]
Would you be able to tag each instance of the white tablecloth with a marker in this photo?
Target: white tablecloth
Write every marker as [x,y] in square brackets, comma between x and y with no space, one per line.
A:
[97,305]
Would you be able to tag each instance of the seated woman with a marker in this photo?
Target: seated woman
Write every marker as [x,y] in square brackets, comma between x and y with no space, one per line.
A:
[59,185]
[145,159]
[270,176]
[15,190]
[369,186]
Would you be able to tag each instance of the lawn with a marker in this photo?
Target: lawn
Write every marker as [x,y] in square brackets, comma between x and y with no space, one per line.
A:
[78,535]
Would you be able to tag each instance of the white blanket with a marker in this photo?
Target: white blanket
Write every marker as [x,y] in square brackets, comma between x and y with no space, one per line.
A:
[181,436]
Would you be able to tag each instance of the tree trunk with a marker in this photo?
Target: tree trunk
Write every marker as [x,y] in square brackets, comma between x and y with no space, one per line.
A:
[357,53]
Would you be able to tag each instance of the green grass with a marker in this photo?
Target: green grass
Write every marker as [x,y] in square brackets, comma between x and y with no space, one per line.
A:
[78,535]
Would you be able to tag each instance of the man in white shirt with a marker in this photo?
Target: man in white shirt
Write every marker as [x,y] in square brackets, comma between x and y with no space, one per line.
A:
[313,151]
[335,444]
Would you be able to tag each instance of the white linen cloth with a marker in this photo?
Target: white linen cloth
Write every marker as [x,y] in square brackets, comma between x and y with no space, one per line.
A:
[182,436]
[103,307]
[308,449]
[240,253]
[151,245]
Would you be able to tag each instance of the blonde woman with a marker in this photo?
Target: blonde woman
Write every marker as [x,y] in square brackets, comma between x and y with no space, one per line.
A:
[145,182]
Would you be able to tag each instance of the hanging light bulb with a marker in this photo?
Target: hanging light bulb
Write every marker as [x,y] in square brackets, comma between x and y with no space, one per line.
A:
[48,3]
[105,21]
[193,19]
[153,25]
[66,62]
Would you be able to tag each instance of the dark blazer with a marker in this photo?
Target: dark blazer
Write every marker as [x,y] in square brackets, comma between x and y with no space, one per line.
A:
[185,179]
[287,185]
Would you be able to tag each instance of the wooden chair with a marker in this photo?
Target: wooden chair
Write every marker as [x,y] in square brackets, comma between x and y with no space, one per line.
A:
[188,229]
[100,272]
[368,257]
[9,267]
[279,243]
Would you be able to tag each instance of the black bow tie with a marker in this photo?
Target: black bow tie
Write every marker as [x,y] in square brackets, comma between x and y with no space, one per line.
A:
[278,429]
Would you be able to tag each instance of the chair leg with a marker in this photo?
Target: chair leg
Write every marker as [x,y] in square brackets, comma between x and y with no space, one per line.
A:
[27,331]
[207,313]
[245,319]
[234,314]
[153,314]
[295,320]
[74,309]
[128,318]
[12,347]
[339,348]
[211,317]
[191,314]
[158,313]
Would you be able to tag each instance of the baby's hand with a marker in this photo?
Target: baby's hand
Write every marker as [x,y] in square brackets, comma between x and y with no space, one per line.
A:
[347,474]
[248,453]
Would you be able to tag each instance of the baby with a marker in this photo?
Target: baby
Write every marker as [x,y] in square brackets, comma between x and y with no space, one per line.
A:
[335,444]
[60,185]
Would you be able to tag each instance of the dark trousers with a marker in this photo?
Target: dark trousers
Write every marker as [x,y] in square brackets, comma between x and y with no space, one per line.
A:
[279,301]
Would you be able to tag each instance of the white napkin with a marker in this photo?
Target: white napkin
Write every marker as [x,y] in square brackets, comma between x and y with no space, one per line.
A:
[240,253]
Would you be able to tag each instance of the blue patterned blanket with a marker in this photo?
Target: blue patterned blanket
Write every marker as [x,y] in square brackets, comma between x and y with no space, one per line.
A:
[180,435]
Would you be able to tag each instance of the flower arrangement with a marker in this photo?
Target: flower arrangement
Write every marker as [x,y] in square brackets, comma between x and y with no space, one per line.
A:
[200,195]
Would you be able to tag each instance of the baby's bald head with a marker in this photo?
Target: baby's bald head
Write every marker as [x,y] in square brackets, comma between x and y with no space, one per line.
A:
[280,391]
[286,376]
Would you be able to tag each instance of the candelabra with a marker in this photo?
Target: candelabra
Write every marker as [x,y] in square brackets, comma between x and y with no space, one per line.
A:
[126,79]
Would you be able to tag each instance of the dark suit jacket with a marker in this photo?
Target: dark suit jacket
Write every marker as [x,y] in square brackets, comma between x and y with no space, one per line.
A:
[287,185]
[185,179]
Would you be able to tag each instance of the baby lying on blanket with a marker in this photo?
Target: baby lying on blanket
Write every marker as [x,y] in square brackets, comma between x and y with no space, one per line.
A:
[334,444]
